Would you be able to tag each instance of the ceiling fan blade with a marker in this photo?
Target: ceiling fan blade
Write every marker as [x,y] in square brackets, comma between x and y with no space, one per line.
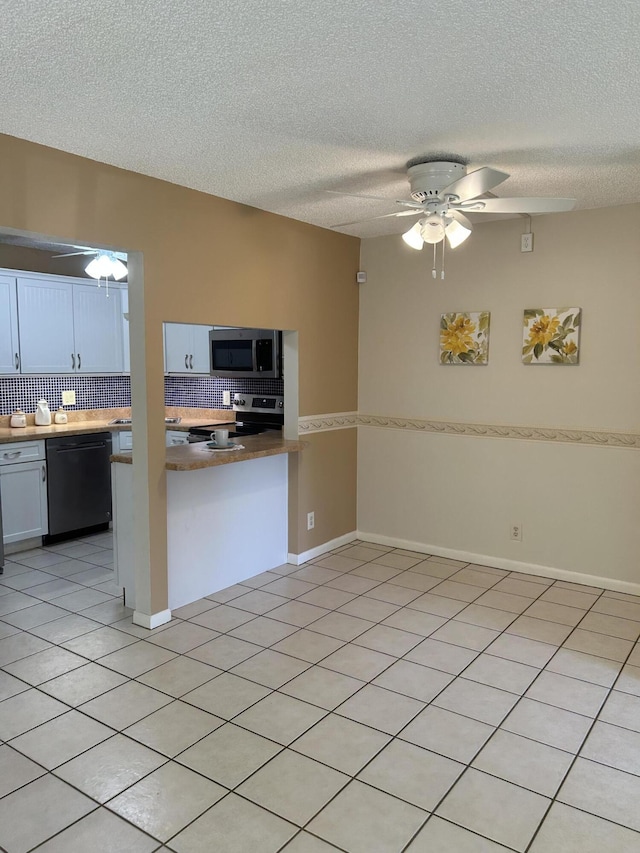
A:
[372,218]
[401,202]
[517,205]
[72,254]
[475,183]
[460,217]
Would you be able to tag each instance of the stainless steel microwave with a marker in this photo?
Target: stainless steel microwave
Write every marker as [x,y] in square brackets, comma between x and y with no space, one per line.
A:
[246,353]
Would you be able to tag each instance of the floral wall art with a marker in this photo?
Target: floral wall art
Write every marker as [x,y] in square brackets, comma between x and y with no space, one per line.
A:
[551,335]
[464,338]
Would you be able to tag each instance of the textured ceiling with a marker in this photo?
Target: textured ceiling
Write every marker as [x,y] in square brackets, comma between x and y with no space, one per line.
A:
[271,102]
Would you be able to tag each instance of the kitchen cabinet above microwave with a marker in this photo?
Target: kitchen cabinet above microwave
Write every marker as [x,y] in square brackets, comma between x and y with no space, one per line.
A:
[55,324]
[186,349]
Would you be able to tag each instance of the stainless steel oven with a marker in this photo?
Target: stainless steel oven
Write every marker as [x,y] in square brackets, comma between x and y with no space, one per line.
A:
[254,415]
[245,353]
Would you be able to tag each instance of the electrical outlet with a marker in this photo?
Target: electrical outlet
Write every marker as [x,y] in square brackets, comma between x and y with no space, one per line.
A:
[68,398]
[526,242]
[311,520]
[226,398]
[516,532]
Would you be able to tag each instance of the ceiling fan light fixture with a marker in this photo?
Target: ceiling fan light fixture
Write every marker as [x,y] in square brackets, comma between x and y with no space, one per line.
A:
[104,265]
[118,270]
[432,229]
[456,233]
[413,237]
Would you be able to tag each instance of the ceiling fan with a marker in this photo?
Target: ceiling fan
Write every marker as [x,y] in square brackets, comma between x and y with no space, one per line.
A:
[443,192]
[104,263]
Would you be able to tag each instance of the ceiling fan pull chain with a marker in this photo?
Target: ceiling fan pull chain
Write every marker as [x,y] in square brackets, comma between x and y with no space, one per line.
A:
[444,242]
[433,271]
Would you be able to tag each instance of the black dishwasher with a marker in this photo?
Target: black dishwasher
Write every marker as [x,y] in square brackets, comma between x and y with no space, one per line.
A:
[78,482]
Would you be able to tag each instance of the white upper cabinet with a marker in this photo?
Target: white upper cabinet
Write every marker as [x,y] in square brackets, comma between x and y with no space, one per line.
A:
[200,349]
[186,348]
[45,309]
[68,327]
[9,346]
[177,342]
[97,320]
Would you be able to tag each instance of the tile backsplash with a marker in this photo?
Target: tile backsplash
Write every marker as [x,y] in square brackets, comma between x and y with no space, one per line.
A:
[105,392]
[92,392]
[206,391]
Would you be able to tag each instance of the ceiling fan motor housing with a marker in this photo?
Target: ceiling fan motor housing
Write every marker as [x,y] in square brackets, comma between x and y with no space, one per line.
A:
[427,180]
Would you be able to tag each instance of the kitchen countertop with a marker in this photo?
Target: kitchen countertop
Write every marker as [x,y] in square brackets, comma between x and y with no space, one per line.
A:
[101,420]
[190,457]
[32,433]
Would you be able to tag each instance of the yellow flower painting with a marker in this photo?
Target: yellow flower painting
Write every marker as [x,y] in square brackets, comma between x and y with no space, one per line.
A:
[464,338]
[551,335]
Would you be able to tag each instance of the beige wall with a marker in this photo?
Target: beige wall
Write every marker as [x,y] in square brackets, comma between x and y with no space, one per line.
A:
[577,505]
[330,458]
[205,260]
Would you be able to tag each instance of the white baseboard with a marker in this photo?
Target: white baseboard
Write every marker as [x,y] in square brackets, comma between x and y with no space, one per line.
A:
[22,545]
[151,621]
[319,550]
[504,563]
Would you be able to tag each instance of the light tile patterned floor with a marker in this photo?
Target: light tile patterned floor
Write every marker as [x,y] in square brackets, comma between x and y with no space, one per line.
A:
[372,701]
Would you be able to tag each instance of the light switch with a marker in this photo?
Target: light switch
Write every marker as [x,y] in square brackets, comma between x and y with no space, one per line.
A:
[68,398]
[226,398]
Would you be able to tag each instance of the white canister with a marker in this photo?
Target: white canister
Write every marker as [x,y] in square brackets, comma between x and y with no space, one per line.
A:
[60,416]
[18,419]
[43,414]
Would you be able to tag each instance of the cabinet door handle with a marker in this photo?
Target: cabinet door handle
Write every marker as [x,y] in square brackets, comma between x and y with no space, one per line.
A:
[44,473]
[191,362]
[13,455]
[79,362]
[17,362]
[73,361]
[186,362]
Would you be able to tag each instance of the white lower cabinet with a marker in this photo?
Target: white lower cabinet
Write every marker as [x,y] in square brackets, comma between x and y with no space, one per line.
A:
[124,440]
[23,485]
[175,437]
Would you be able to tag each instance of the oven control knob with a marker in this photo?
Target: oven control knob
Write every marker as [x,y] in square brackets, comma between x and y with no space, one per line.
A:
[280,404]
[240,401]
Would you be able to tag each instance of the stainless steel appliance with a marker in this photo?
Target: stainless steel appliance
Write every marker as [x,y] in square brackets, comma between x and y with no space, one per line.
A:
[78,482]
[254,414]
[245,353]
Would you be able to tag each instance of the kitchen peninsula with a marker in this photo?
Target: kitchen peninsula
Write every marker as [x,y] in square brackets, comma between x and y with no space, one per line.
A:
[226,515]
